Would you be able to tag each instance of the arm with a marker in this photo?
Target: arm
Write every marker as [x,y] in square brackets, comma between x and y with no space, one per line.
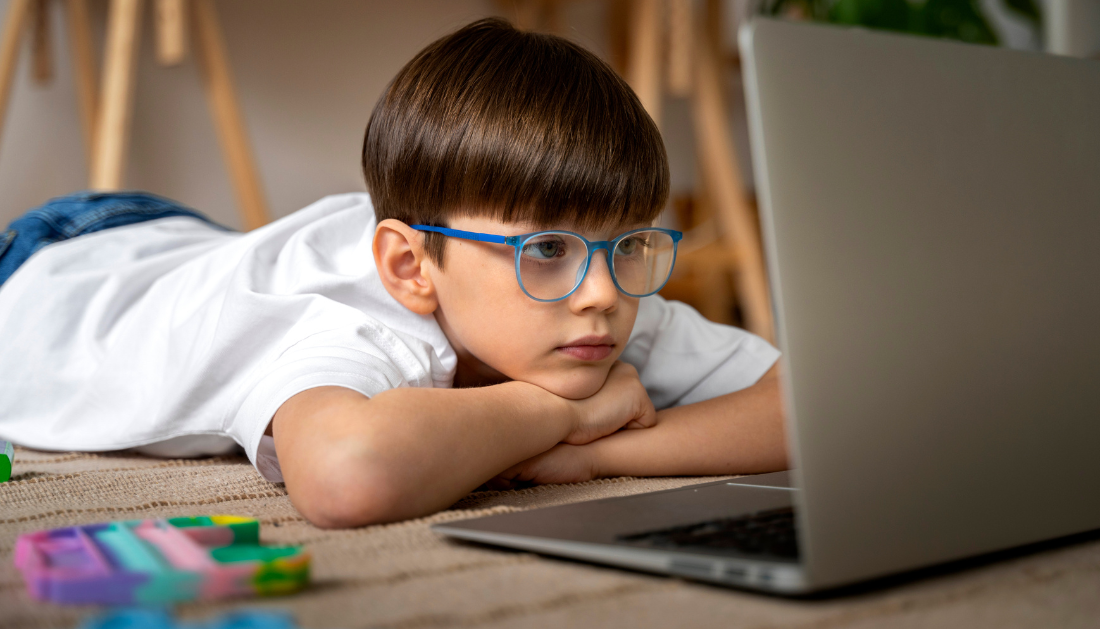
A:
[350,460]
[737,433]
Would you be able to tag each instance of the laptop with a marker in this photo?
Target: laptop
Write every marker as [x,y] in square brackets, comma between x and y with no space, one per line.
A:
[931,217]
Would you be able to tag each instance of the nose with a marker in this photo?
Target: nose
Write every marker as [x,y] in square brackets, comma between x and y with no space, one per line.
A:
[597,291]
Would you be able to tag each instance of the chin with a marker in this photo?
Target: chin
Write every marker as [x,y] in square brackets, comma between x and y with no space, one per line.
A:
[580,384]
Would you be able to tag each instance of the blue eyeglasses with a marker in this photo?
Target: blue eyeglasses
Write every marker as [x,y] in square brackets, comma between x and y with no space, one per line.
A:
[550,265]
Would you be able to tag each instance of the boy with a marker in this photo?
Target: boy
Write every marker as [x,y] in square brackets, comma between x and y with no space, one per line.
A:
[479,317]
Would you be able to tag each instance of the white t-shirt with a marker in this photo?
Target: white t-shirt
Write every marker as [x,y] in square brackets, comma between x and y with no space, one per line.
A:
[185,339]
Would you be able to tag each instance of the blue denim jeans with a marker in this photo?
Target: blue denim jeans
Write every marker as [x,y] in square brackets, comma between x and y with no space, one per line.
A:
[78,214]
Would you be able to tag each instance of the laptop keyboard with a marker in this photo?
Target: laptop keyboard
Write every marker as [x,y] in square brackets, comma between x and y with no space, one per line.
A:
[768,533]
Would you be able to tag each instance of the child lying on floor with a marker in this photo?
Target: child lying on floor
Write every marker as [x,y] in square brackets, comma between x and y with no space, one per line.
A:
[486,313]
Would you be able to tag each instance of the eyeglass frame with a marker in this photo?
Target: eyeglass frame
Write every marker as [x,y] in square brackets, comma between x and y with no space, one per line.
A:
[592,246]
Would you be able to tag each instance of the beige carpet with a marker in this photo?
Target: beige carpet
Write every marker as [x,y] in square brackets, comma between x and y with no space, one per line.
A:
[403,575]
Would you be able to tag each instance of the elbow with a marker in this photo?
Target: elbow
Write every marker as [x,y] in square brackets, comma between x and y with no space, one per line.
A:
[340,510]
[349,493]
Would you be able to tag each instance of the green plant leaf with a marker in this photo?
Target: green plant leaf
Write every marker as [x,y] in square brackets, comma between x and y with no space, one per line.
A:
[957,19]
[1026,9]
[953,19]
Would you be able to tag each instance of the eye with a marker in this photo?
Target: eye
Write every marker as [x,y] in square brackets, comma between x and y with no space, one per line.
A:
[628,246]
[544,249]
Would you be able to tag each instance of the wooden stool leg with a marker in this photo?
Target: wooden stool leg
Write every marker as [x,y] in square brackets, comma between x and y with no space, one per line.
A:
[617,16]
[227,115]
[526,13]
[41,42]
[171,31]
[679,47]
[14,25]
[644,66]
[723,176]
[84,70]
[716,263]
[115,110]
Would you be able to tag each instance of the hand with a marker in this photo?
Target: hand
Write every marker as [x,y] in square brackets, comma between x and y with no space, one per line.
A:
[622,402]
[563,463]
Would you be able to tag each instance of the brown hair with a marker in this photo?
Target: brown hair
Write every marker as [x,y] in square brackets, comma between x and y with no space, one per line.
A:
[518,126]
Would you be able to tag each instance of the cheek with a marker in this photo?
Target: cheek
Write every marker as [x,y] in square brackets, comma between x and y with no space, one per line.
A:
[509,332]
[488,312]
[626,313]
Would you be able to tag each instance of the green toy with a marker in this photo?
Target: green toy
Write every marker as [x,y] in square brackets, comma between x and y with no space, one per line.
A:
[7,457]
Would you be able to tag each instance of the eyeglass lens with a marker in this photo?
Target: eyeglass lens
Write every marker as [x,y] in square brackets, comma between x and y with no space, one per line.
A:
[552,264]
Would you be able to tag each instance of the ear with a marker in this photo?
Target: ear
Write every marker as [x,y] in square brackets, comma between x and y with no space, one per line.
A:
[403,266]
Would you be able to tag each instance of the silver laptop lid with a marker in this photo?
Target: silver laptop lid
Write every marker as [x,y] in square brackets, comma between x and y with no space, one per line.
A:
[932,220]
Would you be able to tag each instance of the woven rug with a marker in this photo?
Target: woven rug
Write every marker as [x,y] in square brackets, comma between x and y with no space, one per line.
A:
[405,576]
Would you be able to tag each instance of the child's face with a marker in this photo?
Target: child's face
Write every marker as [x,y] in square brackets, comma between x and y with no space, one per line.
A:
[566,347]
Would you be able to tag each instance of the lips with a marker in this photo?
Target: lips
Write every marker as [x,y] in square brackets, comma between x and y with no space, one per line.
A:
[589,348]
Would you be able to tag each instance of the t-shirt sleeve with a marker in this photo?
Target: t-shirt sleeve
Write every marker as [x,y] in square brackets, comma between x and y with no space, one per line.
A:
[368,359]
[683,358]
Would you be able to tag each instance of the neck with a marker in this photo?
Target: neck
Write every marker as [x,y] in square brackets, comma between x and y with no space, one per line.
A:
[471,372]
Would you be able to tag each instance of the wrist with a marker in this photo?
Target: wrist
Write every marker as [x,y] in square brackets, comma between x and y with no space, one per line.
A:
[543,404]
[598,460]
[617,454]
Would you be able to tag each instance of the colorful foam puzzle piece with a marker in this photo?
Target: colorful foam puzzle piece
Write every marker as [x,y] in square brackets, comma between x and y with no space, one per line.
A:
[157,561]
[159,619]
[7,458]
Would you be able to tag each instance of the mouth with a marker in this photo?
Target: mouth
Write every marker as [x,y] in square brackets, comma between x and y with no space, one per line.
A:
[589,348]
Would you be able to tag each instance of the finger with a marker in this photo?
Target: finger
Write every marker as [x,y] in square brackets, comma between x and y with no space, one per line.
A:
[648,419]
[635,424]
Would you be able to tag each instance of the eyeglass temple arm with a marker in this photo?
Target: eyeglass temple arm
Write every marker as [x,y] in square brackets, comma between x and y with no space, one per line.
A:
[465,235]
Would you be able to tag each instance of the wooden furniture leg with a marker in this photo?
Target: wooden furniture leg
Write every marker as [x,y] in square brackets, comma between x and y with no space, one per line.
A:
[644,65]
[226,112]
[534,15]
[14,25]
[551,17]
[716,264]
[42,56]
[84,70]
[617,19]
[525,12]
[679,47]
[723,177]
[171,31]
[115,110]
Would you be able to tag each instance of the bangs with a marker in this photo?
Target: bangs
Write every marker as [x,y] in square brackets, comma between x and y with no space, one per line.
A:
[517,126]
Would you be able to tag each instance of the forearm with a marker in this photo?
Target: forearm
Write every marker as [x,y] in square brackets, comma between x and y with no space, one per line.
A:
[407,452]
[737,433]
[453,440]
